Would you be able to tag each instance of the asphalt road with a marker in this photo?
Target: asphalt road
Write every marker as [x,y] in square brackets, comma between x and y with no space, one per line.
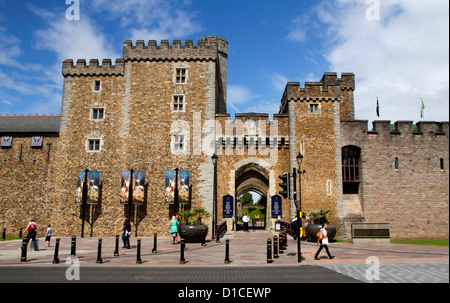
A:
[161,274]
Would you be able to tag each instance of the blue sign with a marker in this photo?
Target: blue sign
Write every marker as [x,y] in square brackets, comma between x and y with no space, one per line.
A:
[277,206]
[228,206]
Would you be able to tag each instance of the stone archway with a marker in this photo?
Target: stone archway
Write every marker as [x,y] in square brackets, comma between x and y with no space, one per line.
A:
[251,176]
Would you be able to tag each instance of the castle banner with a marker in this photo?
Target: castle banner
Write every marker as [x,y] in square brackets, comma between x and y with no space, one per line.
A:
[182,187]
[138,187]
[93,192]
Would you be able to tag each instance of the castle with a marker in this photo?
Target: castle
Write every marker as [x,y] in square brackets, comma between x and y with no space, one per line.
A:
[163,108]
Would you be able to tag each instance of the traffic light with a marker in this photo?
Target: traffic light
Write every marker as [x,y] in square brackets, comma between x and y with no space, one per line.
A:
[285,185]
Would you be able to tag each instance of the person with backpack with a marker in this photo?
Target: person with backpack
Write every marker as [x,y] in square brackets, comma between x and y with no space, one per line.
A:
[31,234]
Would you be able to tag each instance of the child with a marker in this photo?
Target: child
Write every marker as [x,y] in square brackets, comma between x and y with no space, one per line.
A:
[48,235]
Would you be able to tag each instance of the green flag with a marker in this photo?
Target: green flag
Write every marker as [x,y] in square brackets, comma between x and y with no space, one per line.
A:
[422,109]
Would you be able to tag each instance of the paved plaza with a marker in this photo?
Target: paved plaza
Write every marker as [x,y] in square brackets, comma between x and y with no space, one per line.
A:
[248,260]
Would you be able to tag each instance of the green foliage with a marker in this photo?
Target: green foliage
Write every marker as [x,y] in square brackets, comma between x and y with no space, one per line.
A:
[247,199]
[193,217]
[320,216]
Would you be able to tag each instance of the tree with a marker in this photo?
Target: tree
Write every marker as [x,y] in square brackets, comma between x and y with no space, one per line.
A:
[247,199]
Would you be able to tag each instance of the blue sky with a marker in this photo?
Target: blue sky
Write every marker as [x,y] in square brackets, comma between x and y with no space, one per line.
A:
[398,49]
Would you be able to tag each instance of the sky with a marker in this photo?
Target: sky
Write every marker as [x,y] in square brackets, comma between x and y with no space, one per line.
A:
[398,49]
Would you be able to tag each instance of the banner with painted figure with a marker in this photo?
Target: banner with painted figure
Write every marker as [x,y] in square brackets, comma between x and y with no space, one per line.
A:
[125,187]
[138,187]
[183,187]
[169,193]
[80,183]
[93,191]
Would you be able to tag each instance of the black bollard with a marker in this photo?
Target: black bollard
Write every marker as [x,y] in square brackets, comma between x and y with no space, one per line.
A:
[55,257]
[227,251]
[269,251]
[182,260]
[4,234]
[99,251]
[116,250]
[280,244]
[275,247]
[73,246]
[20,233]
[23,256]
[138,255]
[204,237]
[155,244]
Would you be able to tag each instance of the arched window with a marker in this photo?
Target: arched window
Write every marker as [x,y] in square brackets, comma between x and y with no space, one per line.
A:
[350,163]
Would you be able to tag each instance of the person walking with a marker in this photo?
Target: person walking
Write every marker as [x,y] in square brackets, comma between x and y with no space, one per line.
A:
[174,229]
[31,234]
[48,235]
[245,220]
[126,233]
[323,243]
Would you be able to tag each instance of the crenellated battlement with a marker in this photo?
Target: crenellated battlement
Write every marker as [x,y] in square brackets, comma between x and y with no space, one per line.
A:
[208,48]
[93,69]
[402,128]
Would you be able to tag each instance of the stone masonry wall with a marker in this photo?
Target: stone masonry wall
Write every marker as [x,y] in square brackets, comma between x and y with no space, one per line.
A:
[413,199]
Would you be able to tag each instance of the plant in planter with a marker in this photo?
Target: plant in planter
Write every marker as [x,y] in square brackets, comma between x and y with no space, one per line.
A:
[317,219]
[192,228]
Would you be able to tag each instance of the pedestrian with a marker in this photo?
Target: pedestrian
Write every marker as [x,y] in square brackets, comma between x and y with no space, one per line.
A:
[295,228]
[31,234]
[126,233]
[307,222]
[323,243]
[48,235]
[245,220]
[178,226]
[174,229]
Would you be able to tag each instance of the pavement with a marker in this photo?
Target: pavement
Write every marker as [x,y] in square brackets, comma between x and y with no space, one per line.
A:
[388,263]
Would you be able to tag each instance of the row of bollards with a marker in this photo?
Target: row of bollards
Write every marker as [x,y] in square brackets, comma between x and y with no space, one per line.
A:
[23,257]
[4,233]
[279,245]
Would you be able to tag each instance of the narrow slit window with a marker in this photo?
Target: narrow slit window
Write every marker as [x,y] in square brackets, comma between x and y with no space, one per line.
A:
[396,163]
[442,163]
[97,85]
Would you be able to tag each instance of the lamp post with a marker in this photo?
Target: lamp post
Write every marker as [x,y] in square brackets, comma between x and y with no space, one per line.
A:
[214,159]
[299,203]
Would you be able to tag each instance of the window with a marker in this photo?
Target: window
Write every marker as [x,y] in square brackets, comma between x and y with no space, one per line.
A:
[350,163]
[396,163]
[6,141]
[314,108]
[179,142]
[178,103]
[94,145]
[98,113]
[442,163]
[97,85]
[36,141]
[180,77]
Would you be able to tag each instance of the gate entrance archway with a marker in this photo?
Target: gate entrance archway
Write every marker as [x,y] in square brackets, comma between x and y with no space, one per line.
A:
[254,179]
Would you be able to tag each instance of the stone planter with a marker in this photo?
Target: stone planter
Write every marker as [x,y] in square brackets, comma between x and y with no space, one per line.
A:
[193,233]
[313,229]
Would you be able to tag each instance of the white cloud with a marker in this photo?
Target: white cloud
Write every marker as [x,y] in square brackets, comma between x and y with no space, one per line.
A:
[75,40]
[399,58]
[150,19]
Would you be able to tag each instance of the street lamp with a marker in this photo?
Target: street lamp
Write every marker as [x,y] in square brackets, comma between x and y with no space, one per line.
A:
[299,204]
[214,159]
